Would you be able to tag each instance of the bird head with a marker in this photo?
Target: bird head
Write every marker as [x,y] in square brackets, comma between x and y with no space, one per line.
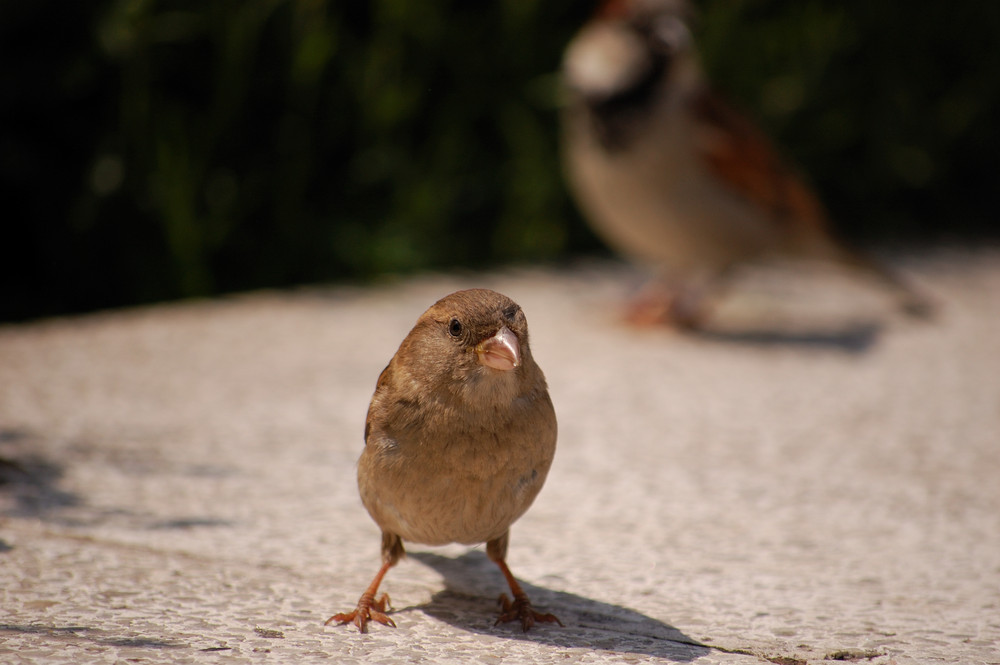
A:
[473,344]
[631,53]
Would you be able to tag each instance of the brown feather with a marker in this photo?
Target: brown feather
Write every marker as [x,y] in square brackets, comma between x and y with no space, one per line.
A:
[741,156]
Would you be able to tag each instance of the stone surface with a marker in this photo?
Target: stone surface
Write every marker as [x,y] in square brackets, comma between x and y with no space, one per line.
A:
[815,478]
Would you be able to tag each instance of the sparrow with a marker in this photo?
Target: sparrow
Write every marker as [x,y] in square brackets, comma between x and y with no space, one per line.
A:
[671,175]
[459,438]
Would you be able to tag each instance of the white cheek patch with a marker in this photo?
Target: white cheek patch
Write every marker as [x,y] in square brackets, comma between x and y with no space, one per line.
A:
[605,60]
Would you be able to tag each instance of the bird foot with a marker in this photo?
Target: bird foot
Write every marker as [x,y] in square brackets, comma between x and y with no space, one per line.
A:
[660,307]
[368,609]
[520,609]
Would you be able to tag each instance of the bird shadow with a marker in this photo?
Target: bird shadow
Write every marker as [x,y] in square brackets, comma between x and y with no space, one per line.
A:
[587,624]
[853,338]
[30,480]
[32,487]
[80,633]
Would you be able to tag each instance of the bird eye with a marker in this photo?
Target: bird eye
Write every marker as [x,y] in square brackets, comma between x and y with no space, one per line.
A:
[455,327]
[670,32]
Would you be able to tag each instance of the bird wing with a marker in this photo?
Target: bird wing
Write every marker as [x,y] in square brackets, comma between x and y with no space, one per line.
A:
[739,154]
[384,378]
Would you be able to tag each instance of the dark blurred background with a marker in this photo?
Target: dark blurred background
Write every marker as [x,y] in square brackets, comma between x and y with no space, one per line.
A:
[154,150]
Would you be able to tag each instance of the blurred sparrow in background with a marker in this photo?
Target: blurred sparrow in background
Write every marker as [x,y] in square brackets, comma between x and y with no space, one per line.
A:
[672,176]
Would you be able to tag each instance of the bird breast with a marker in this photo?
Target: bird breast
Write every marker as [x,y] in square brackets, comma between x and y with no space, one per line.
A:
[444,484]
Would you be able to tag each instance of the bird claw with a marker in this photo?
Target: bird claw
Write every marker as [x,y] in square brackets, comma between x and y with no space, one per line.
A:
[520,609]
[368,609]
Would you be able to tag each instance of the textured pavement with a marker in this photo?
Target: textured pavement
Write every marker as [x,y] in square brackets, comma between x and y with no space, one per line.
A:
[814,479]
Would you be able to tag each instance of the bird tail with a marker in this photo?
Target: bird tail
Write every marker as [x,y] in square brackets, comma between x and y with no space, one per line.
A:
[913,302]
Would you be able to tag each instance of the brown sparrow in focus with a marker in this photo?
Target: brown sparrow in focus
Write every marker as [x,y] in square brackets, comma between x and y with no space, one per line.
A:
[459,437]
[672,176]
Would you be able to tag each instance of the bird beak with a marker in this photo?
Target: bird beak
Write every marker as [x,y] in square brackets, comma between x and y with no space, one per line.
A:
[502,351]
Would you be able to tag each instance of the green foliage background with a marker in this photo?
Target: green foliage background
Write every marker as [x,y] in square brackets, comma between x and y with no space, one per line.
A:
[156,149]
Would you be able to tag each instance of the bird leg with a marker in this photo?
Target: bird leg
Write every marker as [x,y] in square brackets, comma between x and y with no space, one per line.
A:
[368,608]
[520,608]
